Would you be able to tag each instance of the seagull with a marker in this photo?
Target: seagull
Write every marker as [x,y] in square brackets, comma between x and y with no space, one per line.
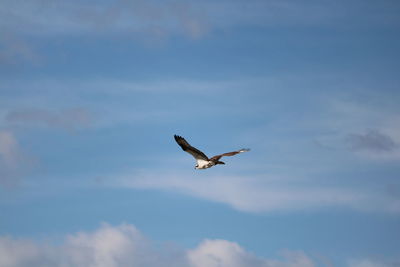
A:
[203,162]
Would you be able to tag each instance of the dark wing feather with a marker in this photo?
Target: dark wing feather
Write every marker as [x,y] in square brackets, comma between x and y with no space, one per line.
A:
[197,154]
[217,157]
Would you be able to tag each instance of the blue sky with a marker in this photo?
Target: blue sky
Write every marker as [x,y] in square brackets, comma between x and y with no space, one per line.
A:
[92,92]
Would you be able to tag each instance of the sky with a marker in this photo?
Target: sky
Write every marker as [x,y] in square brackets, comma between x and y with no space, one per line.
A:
[92,92]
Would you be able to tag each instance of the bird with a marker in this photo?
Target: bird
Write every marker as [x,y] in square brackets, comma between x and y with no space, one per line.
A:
[203,162]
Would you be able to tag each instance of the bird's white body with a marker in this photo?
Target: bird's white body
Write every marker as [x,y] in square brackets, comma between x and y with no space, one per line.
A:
[204,164]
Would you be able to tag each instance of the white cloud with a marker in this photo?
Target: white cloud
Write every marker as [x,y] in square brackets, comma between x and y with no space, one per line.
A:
[215,253]
[108,246]
[124,245]
[222,253]
[14,252]
[263,193]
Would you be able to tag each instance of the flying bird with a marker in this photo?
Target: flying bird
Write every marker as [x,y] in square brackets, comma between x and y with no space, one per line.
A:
[203,162]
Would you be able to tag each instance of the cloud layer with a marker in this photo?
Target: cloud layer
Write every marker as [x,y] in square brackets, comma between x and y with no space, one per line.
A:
[155,20]
[124,245]
[265,194]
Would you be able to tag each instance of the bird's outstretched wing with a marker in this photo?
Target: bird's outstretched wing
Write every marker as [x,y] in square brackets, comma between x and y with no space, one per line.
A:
[197,154]
[217,157]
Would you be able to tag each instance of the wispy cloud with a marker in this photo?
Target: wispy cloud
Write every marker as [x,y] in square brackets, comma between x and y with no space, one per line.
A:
[125,245]
[263,193]
[92,103]
[14,162]
[155,21]
[69,119]
[16,49]
[371,141]
[136,17]
[147,21]
[373,263]
[188,18]
[366,129]
[289,13]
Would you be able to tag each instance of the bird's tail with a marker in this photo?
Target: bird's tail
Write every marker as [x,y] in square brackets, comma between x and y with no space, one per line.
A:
[220,162]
